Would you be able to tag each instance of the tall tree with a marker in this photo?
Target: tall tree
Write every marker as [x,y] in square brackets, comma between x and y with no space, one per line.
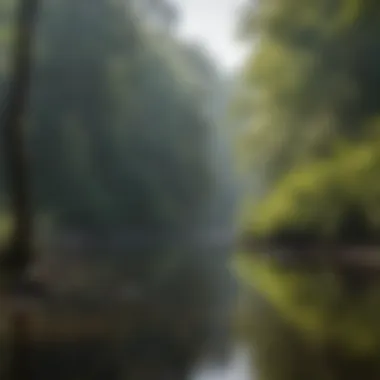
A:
[18,255]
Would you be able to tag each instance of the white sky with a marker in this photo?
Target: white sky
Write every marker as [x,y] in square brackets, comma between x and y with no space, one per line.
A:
[213,23]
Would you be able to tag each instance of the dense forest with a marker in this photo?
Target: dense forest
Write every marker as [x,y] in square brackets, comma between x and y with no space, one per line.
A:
[123,127]
[130,175]
[310,144]
[313,134]
[148,166]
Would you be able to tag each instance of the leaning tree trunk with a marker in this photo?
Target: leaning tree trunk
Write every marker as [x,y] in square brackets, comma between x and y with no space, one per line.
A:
[16,259]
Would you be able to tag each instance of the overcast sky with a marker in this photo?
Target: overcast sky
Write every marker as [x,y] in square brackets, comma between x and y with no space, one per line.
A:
[213,23]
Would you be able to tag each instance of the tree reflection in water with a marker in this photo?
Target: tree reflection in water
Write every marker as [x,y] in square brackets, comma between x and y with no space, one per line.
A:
[310,325]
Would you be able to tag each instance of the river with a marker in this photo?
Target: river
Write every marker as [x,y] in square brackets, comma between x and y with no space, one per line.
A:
[238,367]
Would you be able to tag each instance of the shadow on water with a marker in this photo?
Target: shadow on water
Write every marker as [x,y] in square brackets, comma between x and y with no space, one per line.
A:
[160,330]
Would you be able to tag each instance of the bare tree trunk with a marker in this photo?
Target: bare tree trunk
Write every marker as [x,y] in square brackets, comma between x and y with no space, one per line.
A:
[17,257]
[16,163]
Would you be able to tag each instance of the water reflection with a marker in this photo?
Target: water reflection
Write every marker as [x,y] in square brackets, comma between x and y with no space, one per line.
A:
[237,367]
[304,324]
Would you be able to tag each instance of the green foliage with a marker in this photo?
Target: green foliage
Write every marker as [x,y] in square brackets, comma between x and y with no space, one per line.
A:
[119,133]
[312,79]
[317,195]
[115,136]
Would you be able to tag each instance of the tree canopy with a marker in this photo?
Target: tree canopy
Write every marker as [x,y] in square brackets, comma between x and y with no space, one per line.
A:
[114,137]
[312,131]
[121,124]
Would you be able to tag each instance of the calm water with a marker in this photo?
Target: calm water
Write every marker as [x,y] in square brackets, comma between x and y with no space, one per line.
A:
[238,367]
